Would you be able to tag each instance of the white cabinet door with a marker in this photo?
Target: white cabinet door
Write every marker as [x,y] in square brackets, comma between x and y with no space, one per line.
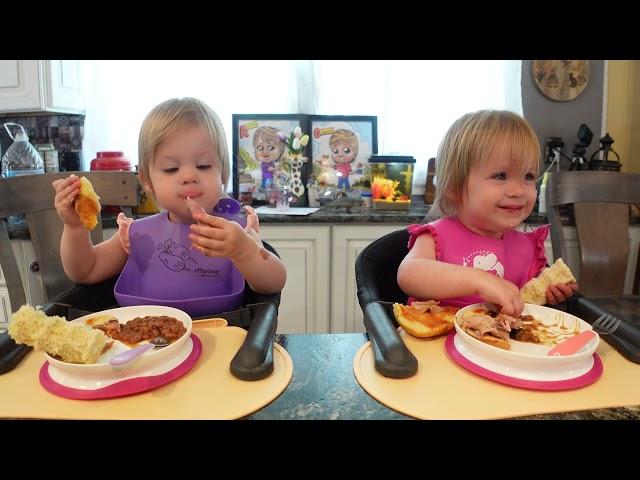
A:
[41,86]
[64,86]
[347,243]
[304,306]
[20,85]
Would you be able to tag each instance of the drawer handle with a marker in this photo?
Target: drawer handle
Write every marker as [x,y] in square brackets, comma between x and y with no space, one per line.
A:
[34,267]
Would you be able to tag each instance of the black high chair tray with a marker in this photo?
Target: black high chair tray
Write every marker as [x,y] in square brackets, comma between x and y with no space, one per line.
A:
[253,361]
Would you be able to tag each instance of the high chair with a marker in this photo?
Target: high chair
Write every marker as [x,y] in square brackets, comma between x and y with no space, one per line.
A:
[376,278]
[33,196]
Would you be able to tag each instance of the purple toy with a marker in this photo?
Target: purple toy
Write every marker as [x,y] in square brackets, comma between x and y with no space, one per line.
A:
[162,269]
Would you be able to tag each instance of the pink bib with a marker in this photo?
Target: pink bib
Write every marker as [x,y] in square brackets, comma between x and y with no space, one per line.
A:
[516,257]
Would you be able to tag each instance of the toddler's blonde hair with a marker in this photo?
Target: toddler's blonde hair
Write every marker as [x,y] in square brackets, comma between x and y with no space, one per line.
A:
[469,141]
[171,116]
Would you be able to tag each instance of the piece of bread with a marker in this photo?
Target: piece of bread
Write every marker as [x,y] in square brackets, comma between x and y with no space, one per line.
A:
[425,319]
[70,342]
[87,204]
[535,290]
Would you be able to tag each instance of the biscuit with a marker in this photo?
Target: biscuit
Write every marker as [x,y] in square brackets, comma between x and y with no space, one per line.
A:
[87,204]
[70,342]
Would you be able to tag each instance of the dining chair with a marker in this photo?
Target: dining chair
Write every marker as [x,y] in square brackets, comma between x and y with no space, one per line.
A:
[33,197]
[601,208]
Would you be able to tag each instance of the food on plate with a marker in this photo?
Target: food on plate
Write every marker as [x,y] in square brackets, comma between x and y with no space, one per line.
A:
[87,204]
[69,342]
[497,328]
[490,327]
[535,290]
[99,319]
[143,328]
[425,319]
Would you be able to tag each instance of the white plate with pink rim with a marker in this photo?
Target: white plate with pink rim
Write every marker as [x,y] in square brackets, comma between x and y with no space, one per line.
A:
[152,363]
[527,365]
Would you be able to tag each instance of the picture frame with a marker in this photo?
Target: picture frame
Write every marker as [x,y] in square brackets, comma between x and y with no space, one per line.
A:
[258,162]
[341,146]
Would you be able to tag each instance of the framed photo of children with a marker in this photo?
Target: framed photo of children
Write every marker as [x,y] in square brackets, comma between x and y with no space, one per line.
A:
[262,163]
[340,151]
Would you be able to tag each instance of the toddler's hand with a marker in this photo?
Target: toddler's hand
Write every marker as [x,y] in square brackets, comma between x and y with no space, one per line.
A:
[253,224]
[560,292]
[501,292]
[217,237]
[67,190]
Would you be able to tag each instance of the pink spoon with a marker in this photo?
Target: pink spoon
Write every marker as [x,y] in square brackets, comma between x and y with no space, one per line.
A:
[572,345]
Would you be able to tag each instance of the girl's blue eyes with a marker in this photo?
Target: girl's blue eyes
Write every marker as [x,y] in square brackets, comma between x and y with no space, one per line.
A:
[175,169]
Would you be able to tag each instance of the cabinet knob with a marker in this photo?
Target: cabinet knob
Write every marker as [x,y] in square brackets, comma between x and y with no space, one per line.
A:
[34,267]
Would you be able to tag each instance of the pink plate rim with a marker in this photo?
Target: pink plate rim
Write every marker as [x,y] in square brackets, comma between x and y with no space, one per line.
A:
[570,384]
[126,387]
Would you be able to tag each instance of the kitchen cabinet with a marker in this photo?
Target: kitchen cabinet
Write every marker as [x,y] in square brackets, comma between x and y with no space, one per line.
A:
[41,86]
[346,244]
[320,295]
[305,251]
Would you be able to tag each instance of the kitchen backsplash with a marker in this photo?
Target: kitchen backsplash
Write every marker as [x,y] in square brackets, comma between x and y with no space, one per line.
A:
[65,132]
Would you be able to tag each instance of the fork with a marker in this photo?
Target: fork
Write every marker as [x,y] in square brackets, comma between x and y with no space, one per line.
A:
[606,323]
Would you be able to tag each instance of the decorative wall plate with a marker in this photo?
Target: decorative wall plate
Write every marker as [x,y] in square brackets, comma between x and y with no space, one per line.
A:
[561,80]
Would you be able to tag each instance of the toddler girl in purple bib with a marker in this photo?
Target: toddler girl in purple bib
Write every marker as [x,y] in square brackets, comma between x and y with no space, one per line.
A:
[197,253]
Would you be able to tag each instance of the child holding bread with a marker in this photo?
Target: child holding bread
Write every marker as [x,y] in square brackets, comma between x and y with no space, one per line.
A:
[487,165]
[184,164]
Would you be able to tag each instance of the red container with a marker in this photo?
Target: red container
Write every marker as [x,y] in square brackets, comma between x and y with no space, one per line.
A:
[110,161]
[113,161]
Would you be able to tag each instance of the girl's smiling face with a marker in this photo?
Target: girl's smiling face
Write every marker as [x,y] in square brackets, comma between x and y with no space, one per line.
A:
[500,193]
[185,165]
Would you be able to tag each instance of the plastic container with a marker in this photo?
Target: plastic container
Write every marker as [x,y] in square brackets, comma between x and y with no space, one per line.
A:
[110,161]
[366,198]
[391,181]
[50,157]
[21,158]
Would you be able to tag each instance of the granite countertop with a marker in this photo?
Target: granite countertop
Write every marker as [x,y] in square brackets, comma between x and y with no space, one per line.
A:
[349,210]
[342,210]
[323,386]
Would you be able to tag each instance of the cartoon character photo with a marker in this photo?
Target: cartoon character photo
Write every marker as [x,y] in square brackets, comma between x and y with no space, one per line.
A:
[344,150]
[268,152]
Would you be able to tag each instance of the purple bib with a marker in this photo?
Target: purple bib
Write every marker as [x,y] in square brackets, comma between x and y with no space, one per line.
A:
[162,269]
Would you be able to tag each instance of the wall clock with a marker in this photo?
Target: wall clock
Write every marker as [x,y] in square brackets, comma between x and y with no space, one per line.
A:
[561,80]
